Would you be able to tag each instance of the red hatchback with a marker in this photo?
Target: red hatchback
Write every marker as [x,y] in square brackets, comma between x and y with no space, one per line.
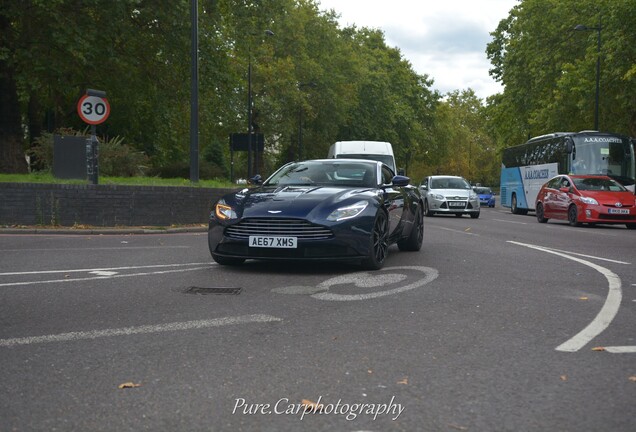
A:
[591,199]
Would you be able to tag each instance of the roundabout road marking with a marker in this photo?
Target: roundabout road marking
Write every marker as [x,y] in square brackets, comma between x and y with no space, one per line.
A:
[607,313]
[364,280]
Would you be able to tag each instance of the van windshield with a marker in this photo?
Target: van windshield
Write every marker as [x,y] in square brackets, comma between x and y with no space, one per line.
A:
[385,159]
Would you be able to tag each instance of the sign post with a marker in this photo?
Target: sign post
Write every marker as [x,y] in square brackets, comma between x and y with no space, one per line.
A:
[93,108]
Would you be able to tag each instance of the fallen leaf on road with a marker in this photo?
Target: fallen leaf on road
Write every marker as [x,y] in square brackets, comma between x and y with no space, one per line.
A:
[405,381]
[564,377]
[128,385]
[583,298]
[632,378]
[598,349]
[313,406]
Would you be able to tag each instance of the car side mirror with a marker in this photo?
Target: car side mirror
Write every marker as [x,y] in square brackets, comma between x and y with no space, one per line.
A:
[256,180]
[400,181]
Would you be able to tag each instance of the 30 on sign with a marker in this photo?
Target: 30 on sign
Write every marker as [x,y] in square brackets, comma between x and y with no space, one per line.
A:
[93,109]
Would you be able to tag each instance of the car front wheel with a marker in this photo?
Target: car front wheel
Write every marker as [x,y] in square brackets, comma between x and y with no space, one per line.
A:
[379,243]
[427,211]
[540,215]
[573,216]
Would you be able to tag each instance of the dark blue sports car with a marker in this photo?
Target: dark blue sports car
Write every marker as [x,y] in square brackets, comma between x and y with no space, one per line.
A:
[331,209]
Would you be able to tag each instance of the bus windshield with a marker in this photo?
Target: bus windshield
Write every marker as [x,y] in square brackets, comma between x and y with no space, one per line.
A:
[612,156]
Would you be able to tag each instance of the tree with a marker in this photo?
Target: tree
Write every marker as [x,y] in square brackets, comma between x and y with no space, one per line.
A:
[548,69]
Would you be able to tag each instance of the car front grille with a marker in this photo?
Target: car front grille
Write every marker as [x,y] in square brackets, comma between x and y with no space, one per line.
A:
[299,228]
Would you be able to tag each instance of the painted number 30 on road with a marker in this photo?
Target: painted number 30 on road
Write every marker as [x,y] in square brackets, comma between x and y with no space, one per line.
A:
[93,109]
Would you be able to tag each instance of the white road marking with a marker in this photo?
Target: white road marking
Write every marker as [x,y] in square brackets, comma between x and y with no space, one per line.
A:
[95,248]
[368,280]
[126,331]
[99,269]
[589,256]
[607,313]
[512,222]
[621,349]
[103,273]
[103,277]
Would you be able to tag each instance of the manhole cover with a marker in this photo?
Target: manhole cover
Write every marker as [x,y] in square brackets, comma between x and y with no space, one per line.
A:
[213,290]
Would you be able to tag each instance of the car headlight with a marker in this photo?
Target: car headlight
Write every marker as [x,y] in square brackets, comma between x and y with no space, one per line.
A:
[348,212]
[473,196]
[588,200]
[222,211]
[437,196]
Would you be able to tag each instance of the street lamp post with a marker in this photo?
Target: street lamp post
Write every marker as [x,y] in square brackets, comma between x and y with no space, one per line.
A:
[598,29]
[249,110]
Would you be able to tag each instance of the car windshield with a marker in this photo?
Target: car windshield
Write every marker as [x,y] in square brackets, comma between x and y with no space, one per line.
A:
[483,191]
[325,173]
[598,184]
[449,183]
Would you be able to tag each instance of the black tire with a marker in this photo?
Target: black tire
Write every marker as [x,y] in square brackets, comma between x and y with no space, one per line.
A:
[540,216]
[427,211]
[573,216]
[379,243]
[227,261]
[630,226]
[413,242]
[513,205]
[458,214]
[474,215]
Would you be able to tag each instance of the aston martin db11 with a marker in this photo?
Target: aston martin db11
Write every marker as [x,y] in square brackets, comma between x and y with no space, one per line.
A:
[329,209]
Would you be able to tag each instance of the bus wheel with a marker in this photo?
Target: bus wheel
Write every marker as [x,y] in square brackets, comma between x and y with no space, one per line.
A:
[540,216]
[513,206]
[573,216]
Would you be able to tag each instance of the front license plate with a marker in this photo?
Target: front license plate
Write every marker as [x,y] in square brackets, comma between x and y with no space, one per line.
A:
[456,204]
[273,242]
[618,211]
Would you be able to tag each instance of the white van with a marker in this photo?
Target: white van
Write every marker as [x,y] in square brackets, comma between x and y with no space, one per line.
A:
[372,150]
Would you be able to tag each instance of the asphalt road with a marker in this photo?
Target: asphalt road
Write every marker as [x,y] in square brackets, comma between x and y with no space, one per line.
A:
[497,324]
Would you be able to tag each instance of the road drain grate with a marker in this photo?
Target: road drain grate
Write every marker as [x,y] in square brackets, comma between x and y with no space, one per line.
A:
[215,290]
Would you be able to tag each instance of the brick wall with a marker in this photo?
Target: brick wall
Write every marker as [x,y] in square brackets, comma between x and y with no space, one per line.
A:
[104,205]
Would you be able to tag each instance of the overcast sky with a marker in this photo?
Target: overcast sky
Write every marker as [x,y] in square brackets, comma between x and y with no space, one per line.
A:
[445,39]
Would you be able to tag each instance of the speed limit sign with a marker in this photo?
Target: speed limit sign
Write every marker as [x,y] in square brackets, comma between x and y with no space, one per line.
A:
[93,109]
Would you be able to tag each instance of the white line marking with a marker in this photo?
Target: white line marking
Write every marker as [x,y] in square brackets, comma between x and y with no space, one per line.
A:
[126,331]
[621,349]
[99,269]
[589,256]
[605,315]
[95,248]
[104,273]
[512,222]
[102,277]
